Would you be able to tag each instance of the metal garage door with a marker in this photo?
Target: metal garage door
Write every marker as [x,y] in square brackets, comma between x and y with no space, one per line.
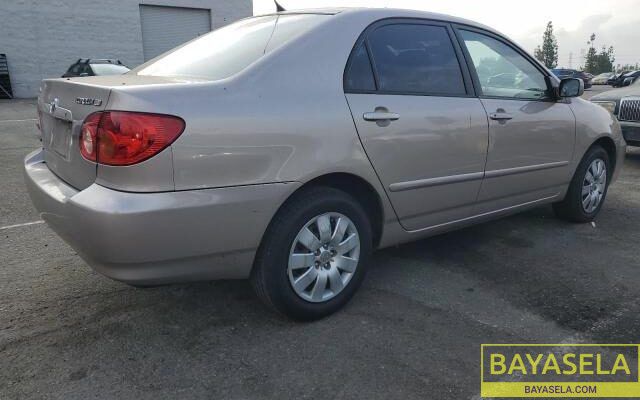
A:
[164,28]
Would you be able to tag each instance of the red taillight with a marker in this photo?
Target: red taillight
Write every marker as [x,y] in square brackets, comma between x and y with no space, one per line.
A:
[126,138]
[88,135]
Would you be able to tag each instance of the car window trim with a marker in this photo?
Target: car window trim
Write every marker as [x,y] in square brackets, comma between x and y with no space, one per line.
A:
[474,74]
[350,62]
[470,91]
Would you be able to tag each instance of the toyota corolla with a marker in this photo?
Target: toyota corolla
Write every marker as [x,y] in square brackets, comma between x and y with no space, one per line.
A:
[286,148]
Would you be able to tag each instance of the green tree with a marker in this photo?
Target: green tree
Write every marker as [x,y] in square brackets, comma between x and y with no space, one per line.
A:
[606,60]
[590,61]
[597,63]
[548,52]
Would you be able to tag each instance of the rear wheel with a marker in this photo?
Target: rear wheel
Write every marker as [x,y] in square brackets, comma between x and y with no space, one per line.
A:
[314,254]
[588,188]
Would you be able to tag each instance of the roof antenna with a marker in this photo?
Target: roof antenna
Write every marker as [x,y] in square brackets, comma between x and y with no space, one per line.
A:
[279,8]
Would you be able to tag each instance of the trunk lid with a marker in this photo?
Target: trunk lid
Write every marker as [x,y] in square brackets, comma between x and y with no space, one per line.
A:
[75,99]
[63,105]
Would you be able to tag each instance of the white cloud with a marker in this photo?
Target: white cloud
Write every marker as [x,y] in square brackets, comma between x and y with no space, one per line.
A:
[615,22]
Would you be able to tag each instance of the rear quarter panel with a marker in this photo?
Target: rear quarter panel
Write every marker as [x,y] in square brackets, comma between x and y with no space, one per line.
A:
[283,119]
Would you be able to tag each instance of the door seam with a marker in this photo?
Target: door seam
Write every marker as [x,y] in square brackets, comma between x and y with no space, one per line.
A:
[384,189]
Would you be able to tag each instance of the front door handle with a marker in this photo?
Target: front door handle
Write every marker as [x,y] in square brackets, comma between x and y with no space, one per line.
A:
[381,116]
[500,116]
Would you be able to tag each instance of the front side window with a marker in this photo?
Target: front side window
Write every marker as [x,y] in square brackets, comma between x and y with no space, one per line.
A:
[416,58]
[501,70]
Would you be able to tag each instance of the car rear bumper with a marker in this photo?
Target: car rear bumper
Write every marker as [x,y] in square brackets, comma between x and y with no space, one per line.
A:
[157,238]
[631,132]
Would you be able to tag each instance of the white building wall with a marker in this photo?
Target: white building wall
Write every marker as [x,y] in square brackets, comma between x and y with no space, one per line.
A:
[42,38]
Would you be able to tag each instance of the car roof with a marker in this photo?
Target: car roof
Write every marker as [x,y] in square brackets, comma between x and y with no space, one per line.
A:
[362,16]
[382,13]
[328,11]
[99,61]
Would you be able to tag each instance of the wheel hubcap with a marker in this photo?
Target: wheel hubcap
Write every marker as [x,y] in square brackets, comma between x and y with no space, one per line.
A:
[594,185]
[324,256]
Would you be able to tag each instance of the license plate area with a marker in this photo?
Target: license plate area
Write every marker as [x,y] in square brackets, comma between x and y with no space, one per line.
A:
[60,137]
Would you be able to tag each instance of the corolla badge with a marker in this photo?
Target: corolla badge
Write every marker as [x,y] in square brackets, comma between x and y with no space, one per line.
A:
[87,101]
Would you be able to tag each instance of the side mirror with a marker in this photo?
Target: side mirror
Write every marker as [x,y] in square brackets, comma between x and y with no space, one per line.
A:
[571,87]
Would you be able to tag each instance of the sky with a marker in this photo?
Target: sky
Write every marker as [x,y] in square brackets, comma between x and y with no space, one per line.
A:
[615,22]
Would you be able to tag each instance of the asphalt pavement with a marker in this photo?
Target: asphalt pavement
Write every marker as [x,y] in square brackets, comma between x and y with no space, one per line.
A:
[413,331]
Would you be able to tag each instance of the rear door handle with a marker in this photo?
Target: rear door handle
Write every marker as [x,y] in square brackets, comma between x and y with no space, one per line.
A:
[381,116]
[500,116]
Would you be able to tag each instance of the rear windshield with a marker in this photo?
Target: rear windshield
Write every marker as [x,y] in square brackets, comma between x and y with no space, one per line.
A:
[109,69]
[229,50]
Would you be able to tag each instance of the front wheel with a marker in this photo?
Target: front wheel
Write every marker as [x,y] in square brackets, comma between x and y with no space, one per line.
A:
[588,188]
[313,257]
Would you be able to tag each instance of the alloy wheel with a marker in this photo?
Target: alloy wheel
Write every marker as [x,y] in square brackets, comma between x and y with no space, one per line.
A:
[593,185]
[324,257]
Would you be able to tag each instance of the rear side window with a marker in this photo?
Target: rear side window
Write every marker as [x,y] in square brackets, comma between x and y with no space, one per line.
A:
[416,58]
[227,51]
[359,75]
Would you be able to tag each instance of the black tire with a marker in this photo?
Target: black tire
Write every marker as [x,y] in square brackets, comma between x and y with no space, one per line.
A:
[269,276]
[571,208]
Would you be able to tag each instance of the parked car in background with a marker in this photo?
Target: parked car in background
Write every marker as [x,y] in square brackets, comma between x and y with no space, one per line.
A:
[630,78]
[625,105]
[95,67]
[620,80]
[213,162]
[563,73]
[601,79]
[611,81]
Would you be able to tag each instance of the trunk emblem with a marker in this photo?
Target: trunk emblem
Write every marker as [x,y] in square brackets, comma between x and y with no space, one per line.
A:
[53,105]
[87,101]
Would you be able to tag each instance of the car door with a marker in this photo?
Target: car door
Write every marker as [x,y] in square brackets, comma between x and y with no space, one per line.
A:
[421,126]
[531,134]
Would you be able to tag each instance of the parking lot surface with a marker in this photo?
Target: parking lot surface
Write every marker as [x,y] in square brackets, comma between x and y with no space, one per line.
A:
[413,331]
